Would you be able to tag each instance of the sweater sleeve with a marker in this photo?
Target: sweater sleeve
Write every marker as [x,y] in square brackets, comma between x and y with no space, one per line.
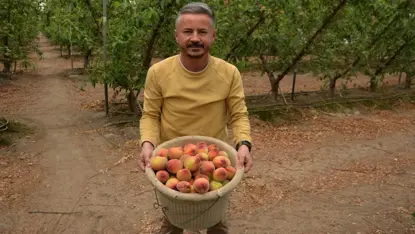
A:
[237,110]
[150,120]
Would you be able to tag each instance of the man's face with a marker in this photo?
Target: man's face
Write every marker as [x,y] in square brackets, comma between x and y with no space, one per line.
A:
[195,35]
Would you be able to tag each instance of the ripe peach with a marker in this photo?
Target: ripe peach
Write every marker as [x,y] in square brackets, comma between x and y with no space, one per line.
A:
[212,155]
[231,172]
[183,157]
[190,149]
[158,163]
[183,186]
[201,185]
[163,176]
[192,163]
[220,174]
[223,153]
[213,147]
[184,174]
[174,165]
[202,176]
[175,152]
[203,156]
[221,161]
[172,182]
[202,147]
[163,152]
[207,168]
[215,185]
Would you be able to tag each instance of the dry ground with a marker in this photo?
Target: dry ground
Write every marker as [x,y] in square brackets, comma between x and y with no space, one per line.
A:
[345,173]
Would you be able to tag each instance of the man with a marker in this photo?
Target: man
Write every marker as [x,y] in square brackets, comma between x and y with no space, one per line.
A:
[194,93]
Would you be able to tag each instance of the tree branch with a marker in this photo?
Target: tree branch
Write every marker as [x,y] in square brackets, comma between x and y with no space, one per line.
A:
[248,34]
[297,58]
[375,39]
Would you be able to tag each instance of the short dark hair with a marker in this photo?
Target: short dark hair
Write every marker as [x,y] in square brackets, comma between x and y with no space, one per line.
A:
[197,8]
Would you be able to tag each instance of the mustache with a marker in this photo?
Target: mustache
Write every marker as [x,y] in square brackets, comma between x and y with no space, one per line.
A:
[195,45]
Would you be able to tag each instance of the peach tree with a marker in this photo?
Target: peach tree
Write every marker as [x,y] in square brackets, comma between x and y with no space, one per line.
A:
[19,25]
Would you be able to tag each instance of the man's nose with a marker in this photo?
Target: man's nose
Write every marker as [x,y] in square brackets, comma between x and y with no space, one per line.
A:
[195,36]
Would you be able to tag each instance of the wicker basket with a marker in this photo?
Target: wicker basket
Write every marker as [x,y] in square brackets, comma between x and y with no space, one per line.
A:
[193,211]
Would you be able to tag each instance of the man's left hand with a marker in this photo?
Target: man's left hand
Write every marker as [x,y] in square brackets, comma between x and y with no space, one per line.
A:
[244,158]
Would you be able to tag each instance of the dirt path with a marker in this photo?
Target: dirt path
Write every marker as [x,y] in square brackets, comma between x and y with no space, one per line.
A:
[68,158]
[328,174]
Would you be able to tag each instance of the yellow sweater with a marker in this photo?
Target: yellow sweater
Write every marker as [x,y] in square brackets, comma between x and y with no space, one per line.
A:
[178,102]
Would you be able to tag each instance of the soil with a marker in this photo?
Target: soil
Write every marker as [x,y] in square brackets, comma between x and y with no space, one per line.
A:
[330,173]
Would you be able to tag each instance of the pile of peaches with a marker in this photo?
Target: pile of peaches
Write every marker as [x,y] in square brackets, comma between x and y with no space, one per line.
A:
[193,168]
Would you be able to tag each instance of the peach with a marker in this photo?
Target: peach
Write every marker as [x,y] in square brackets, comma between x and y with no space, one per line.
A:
[225,182]
[223,153]
[163,176]
[207,168]
[221,161]
[201,185]
[231,172]
[215,185]
[163,152]
[203,156]
[212,155]
[183,157]
[172,183]
[192,163]
[202,147]
[158,163]
[174,165]
[220,174]
[202,176]
[175,152]
[183,187]
[184,174]
[190,149]
[213,147]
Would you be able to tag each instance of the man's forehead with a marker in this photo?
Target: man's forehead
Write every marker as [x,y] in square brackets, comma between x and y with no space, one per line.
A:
[193,20]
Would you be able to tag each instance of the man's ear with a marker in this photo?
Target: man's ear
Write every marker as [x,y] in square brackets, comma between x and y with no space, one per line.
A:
[175,36]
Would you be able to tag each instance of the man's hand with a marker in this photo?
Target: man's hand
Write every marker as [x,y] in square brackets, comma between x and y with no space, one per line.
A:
[145,155]
[244,158]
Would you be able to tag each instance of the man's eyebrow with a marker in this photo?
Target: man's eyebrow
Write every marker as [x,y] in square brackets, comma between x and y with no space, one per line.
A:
[196,29]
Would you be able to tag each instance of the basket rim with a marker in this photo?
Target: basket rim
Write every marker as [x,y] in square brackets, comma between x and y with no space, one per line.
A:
[211,195]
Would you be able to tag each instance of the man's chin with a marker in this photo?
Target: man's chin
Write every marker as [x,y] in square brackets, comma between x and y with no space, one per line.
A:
[195,55]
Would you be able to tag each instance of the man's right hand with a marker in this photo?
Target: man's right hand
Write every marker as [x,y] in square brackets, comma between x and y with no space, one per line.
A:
[145,155]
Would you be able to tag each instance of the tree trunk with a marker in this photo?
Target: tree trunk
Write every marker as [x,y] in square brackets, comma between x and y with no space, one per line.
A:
[69,50]
[86,58]
[408,80]
[274,89]
[374,84]
[7,61]
[271,77]
[132,101]
[332,87]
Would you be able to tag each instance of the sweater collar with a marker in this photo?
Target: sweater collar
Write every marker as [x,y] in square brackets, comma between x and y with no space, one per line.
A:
[191,72]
